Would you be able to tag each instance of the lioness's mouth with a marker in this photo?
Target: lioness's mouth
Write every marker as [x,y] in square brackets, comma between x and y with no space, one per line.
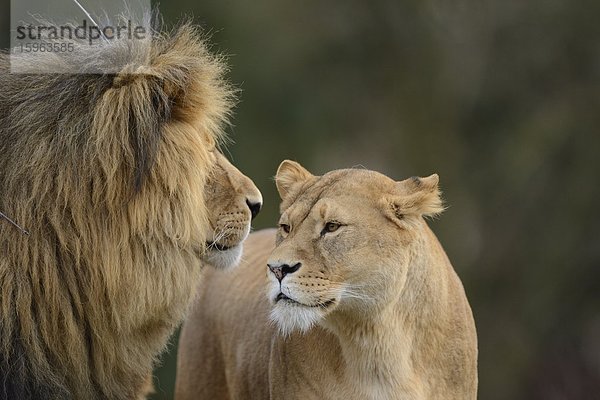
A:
[282,296]
[287,299]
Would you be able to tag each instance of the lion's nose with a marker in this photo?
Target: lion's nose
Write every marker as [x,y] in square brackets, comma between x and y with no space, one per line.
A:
[254,207]
[281,270]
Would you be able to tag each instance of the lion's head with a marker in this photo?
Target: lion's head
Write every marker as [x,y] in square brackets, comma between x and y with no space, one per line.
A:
[119,181]
[233,201]
[343,240]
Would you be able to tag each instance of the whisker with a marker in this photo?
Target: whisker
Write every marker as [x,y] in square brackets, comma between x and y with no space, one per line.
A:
[225,233]
[90,17]
[23,231]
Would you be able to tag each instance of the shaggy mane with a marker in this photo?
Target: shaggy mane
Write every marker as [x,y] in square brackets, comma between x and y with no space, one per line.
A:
[106,172]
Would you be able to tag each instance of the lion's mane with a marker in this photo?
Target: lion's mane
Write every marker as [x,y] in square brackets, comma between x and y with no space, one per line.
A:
[106,172]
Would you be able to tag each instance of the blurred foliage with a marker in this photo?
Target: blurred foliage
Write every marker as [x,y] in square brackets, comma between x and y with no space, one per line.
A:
[501,98]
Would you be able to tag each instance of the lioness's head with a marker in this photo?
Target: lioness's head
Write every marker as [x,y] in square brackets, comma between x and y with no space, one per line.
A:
[343,241]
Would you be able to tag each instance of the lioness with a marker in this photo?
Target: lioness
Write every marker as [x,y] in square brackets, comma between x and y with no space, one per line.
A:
[365,302]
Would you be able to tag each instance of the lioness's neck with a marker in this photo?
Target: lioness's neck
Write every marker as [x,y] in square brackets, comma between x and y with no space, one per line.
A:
[381,342]
[376,351]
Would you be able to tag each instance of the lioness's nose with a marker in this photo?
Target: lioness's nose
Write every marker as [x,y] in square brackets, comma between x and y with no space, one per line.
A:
[281,270]
[254,206]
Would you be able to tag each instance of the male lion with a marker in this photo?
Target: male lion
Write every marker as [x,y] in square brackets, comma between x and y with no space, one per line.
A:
[365,302]
[120,186]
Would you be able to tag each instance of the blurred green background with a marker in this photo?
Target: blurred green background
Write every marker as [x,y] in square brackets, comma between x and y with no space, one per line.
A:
[500,97]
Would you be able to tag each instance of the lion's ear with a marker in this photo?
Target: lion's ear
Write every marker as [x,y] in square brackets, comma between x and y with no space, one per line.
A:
[290,174]
[417,196]
[178,80]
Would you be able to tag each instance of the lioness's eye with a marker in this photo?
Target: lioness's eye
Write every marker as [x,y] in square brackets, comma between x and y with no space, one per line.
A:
[331,227]
[285,228]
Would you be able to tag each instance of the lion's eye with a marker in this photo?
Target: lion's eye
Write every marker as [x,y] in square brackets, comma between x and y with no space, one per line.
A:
[331,227]
[285,228]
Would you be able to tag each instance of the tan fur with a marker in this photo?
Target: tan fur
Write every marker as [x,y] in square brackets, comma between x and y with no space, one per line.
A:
[375,311]
[108,175]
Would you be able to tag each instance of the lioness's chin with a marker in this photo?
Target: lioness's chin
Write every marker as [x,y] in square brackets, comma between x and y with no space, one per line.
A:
[292,317]
[225,259]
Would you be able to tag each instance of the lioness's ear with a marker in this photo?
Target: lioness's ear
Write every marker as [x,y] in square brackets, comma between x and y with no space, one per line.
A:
[417,196]
[290,174]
